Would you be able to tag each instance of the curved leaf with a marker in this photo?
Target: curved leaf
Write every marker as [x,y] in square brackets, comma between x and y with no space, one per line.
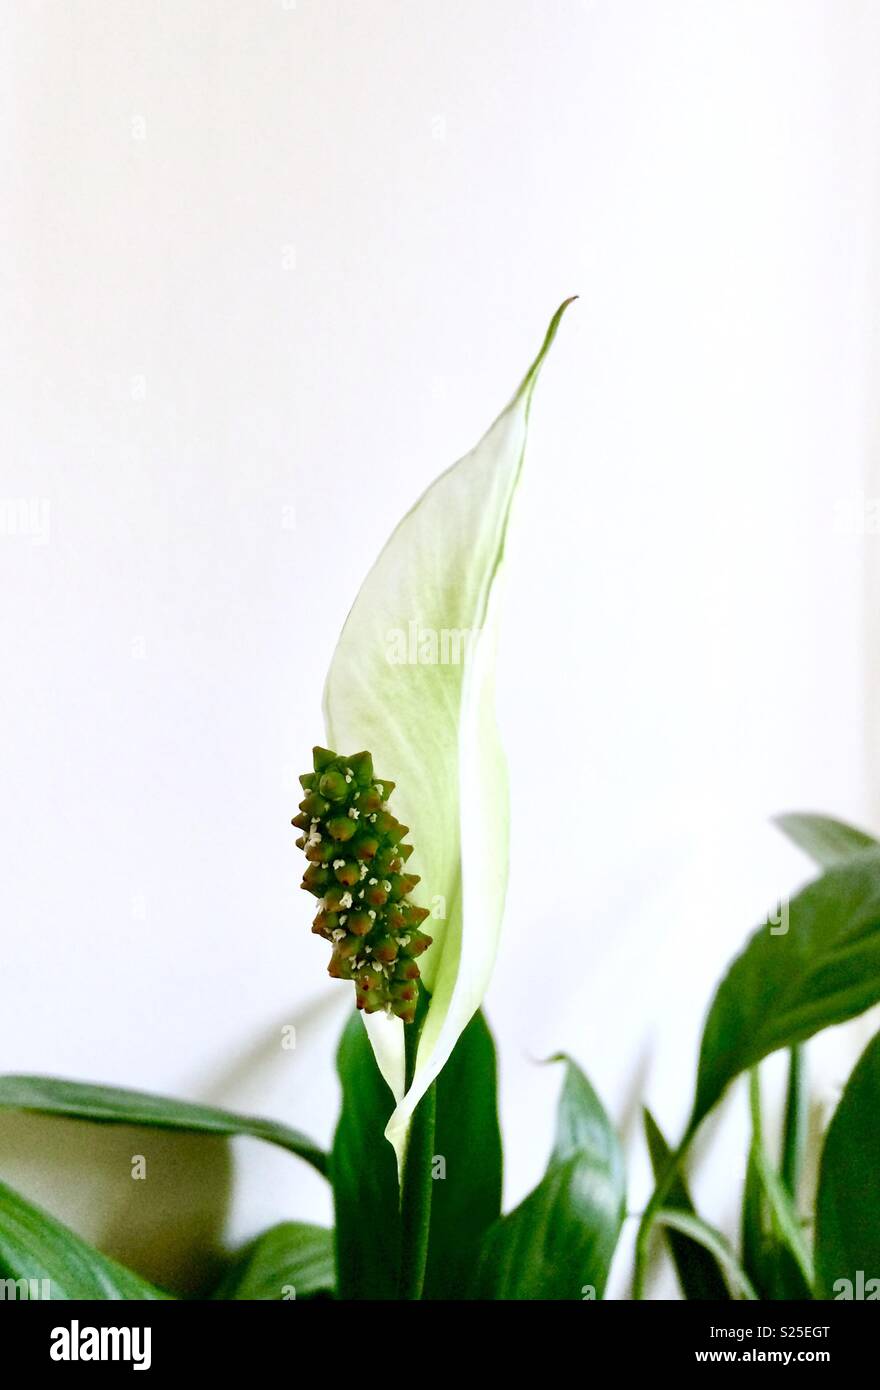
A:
[363,1172]
[785,987]
[821,968]
[847,1209]
[559,1242]
[827,841]
[687,1224]
[291,1260]
[698,1271]
[35,1247]
[114,1105]
[412,680]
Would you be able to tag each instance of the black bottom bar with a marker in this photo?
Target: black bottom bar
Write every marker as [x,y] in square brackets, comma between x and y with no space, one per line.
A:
[241,1337]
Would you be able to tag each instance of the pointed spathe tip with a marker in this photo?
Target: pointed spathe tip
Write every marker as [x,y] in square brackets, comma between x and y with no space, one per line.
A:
[531,375]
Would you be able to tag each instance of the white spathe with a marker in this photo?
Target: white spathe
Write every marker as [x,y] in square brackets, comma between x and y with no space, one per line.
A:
[425,709]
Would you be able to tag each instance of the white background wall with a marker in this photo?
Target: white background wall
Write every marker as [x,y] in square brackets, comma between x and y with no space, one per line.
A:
[267,268]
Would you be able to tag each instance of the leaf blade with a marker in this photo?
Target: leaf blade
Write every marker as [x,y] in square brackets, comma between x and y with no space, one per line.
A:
[80,1100]
[826,840]
[847,1213]
[687,1224]
[292,1255]
[781,989]
[559,1242]
[467,1199]
[363,1171]
[794,1131]
[35,1246]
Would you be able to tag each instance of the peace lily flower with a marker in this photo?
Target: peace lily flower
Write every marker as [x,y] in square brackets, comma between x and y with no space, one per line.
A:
[412,681]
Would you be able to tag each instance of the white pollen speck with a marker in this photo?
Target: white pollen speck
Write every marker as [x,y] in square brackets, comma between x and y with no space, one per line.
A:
[346,900]
[353,813]
[386,885]
[372,881]
[372,914]
[403,941]
[343,919]
[372,818]
[363,871]
[338,863]
[338,934]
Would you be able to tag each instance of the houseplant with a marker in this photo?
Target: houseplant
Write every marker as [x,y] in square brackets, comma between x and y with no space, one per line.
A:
[415,1164]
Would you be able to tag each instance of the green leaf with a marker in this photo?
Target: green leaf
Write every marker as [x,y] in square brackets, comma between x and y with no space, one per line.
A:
[754,1237]
[412,680]
[467,1186]
[775,1251]
[559,1242]
[700,1231]
[794,1133]
[79,1100]
[824,839]
[698,1270]
[363,1171]
[847,1206]
[822,968]
[291,1260]
[784,988]
[36,1247]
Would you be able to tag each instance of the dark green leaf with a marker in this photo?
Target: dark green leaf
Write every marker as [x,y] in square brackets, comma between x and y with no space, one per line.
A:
[794,1132]
[824,839]
[288,1261]
[847,1205]
[467,1187]
[822,968]
[559,1242]
[79,1100]
[785,987]
[754,1236]
[35,1247]
[363,1170]
[686,1224]
[698,1270]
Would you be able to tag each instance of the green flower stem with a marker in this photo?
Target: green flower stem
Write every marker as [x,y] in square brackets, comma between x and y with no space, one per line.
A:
[417,1188]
